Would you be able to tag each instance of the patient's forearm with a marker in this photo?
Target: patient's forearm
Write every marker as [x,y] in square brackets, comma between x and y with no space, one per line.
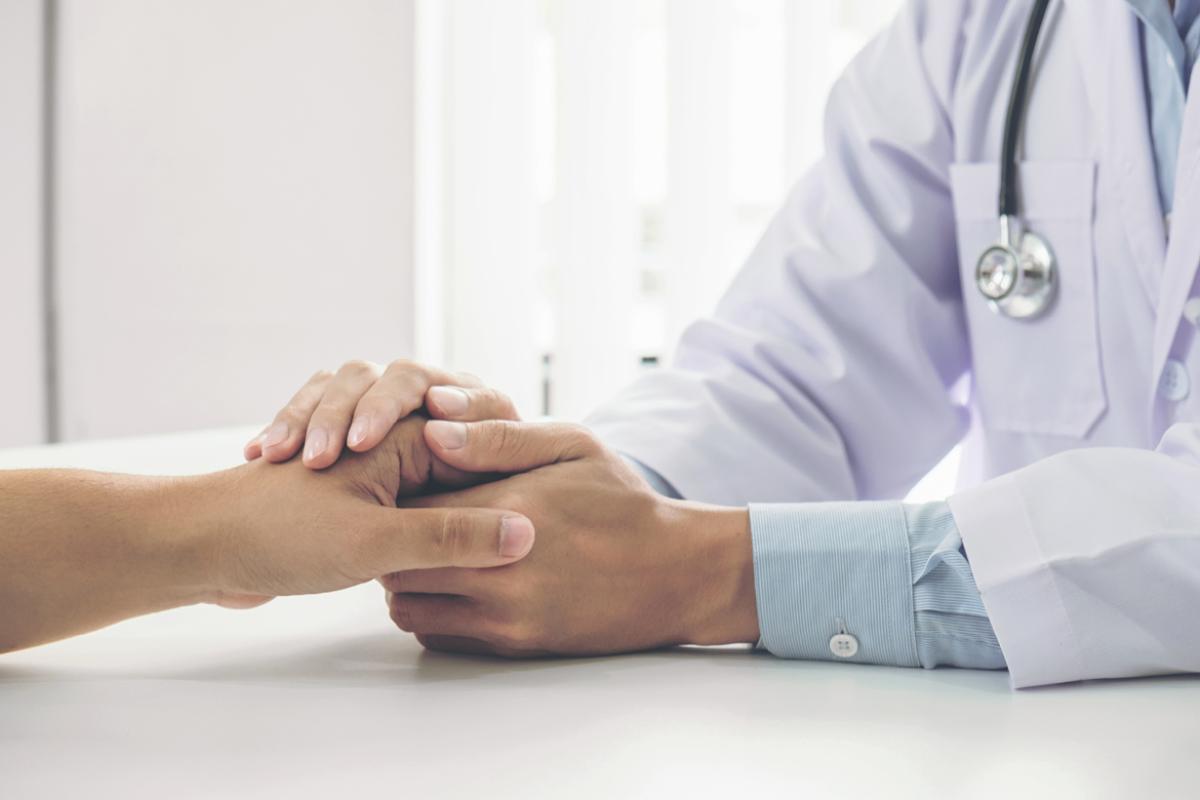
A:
[81,550]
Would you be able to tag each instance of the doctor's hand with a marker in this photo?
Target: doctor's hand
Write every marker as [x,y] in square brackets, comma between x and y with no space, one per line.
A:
[357,407]
[617,567]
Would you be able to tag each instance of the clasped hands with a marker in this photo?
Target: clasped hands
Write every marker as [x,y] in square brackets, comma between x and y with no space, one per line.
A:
[612,565]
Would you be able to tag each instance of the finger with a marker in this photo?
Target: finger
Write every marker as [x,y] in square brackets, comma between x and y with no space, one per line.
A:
[331,419]
[436,614]
[443,474]
[253,448]
[401,539]
[488,495]
[397,393]
[476,647]
[456,644]
[445,580]
[466,405]
[469,405]
[504,446]
[283,438]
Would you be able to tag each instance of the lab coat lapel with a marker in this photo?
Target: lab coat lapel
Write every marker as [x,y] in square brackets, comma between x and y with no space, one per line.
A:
[1183,254]
[1107,40]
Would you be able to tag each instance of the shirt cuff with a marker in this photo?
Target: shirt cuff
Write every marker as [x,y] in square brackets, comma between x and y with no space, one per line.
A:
[951,624]
[657,482]
[821,569]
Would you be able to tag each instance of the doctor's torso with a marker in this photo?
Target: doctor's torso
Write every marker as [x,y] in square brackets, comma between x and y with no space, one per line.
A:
[1111,362]
[853,349]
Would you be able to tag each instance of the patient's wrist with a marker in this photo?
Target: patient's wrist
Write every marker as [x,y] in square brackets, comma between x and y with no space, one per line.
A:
[189,512]
[190,527]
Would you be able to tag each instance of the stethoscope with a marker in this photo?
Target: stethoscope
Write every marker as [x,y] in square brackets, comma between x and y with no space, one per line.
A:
[1017,276]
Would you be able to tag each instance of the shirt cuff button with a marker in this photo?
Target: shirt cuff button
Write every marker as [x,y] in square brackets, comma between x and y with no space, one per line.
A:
[843,645]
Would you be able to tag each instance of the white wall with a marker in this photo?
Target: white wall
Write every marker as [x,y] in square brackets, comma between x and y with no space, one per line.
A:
[21,387]
[235,204]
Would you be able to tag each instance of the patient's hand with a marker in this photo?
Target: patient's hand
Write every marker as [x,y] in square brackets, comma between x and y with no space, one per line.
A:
[357,406]
[275,530]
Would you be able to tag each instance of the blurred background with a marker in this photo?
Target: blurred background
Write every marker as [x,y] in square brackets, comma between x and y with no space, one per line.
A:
[204,201]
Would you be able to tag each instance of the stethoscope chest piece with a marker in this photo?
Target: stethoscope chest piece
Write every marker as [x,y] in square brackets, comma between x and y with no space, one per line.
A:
[1018,279]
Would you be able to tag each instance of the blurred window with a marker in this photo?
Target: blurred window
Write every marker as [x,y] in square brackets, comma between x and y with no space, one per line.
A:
[650,141]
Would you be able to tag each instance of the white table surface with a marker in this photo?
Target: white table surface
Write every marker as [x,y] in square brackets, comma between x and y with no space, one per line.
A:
[319,697]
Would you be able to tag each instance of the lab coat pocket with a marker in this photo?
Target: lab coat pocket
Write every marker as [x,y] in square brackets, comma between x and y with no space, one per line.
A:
[1041,375]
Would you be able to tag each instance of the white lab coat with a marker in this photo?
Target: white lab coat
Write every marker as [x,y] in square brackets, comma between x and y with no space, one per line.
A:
[835,366]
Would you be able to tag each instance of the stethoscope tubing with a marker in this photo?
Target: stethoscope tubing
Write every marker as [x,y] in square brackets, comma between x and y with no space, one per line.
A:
[1014,117]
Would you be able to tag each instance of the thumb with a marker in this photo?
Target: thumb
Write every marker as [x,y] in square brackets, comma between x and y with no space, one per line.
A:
[399,539]
[505,446]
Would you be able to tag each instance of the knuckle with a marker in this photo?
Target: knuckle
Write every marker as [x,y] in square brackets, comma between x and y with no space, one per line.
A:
[505,437]
[401,614]
[453,542]
[423,373]
[514,636]
[496,403]
[505,405]
[332,409]
[419,376]
[294,413]
[321,376]
[584,439]
[357,368]
[402,365]
[411,376]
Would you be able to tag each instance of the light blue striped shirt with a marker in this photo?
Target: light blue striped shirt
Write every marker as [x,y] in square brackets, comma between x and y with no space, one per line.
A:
[894,575]
[1170,42]
[891,574]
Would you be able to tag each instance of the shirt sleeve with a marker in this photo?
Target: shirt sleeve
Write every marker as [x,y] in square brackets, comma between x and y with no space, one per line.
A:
[892,575]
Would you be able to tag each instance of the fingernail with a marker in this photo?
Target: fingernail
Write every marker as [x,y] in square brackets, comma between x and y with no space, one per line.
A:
[450,435]
[358,431]
[276,434]
[516,537]
[316,443]
[453,402]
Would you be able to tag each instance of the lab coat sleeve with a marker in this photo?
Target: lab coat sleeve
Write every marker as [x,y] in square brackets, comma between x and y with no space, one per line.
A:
[1089,561]
[656,481]
[826,371]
